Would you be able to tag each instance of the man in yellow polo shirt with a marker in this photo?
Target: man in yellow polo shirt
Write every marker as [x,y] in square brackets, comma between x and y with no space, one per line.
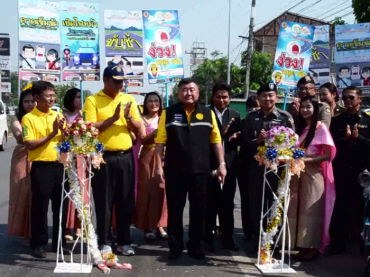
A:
[190,132]
[41,133]
[115,114]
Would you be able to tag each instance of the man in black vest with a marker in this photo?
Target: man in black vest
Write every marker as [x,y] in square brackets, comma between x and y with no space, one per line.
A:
[221,201]
[187,129]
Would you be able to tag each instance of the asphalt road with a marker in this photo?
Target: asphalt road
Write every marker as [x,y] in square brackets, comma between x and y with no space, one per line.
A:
[151,258]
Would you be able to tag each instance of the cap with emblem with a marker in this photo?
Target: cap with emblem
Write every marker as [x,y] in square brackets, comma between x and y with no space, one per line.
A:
[114,71]
[267,88]
[305,80]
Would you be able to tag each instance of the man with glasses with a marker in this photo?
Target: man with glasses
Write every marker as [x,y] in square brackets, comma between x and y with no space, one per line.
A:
[306,86]
[351,134]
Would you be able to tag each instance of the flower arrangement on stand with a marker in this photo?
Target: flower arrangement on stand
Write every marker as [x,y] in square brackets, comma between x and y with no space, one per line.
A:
[279,147]
[81,138]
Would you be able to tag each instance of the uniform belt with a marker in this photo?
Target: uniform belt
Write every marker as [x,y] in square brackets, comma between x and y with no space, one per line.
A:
[117,153]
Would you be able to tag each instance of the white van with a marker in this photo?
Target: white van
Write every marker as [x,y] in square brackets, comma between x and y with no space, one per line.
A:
[3,127]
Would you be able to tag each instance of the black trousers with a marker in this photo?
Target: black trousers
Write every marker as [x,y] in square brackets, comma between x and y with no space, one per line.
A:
[114,185]
[348,214]
[256,175]
[46,184]
[221,202]
[177,189]
[243,183]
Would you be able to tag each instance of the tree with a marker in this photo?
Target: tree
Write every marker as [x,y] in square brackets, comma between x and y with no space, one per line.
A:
[261,68]
[61,91]
[173,98]
[361,9]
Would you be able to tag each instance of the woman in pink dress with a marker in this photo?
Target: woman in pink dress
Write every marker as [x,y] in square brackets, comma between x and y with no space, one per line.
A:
[20,189]
[72,111]
[313,194]
[151,208]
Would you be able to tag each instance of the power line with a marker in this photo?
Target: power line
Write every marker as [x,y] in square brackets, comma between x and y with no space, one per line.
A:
[332,9]
[309,7]
[336,12]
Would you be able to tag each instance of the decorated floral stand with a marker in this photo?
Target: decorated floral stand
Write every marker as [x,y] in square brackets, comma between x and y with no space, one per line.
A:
[79,152]
[278,155]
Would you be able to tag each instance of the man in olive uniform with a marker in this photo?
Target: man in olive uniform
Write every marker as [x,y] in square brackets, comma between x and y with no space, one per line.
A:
[351,134]
[306,86]
[190,132]
[253,134]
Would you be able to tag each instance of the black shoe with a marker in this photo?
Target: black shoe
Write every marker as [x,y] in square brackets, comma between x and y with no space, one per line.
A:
[336,249]
[229,244]
[39,252]
[195,252]
[174,255]
[209,246]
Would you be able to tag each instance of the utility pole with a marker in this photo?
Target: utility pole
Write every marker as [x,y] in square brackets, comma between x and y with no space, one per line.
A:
[228,46]
[198,54]
[207,86]
[249,51]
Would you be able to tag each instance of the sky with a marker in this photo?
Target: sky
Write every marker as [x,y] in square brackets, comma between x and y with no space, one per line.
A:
[200,20]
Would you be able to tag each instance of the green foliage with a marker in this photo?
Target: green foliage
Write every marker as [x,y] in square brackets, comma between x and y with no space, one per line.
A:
[61,90]
[361,10]
[261,68]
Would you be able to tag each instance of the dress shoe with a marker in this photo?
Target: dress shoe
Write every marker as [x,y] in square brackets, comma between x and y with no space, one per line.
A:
[229,244]
[195,251]
[336,249]
[174,255]
[39,252]
[209,246]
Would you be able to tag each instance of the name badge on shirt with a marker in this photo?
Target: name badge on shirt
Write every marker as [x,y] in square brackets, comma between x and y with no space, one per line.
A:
[178,117]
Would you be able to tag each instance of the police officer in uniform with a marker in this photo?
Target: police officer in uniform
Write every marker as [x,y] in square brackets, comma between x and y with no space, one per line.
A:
[188,130]
[306,86]
[329,94]
[351,134]
[253,134]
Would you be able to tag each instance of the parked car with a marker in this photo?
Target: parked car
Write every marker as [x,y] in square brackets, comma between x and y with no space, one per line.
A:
[3,127]
[85,56]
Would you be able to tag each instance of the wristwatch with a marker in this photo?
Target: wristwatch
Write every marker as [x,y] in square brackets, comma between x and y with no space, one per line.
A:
[223,163]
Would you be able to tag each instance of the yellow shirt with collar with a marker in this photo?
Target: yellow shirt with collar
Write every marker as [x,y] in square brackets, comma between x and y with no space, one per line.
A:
[37,125]
[161,137]
[100,107]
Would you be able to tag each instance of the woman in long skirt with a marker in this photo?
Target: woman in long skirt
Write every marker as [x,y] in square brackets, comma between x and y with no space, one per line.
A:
[20,186]
[151,207]
[313,194]
[72,111]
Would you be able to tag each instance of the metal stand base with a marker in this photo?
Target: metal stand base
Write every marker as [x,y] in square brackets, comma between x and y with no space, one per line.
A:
[274,268]
[73,268]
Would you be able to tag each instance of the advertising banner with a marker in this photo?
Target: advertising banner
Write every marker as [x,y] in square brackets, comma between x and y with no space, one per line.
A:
[293,53]
[80,41]
[163,49]
[320,58]
[39,41]
[352,55]
[5,62]
[124,44]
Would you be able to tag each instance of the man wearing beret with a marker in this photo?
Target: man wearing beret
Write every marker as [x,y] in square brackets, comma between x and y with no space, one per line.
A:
[306,86]
[253,134]
[115,114]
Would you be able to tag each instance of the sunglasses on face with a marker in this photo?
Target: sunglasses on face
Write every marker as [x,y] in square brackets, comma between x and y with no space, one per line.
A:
[350,97]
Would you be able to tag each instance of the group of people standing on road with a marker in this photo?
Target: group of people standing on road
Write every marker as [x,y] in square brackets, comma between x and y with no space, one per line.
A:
[191,151]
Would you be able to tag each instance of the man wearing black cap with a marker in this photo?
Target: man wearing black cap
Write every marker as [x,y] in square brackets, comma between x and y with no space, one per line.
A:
[306,86]
[115,114]
[253,134]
